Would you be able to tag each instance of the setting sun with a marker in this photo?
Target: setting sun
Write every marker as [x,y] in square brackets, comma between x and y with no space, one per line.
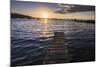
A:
[45,15]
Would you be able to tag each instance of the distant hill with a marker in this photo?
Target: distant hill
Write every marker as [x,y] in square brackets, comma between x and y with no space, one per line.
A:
[16,15]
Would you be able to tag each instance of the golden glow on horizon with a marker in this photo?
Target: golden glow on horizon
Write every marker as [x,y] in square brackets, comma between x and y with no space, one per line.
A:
[45,15]
[62,16]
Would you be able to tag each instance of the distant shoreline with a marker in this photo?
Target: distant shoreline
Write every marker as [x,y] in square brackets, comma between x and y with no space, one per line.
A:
[16,15]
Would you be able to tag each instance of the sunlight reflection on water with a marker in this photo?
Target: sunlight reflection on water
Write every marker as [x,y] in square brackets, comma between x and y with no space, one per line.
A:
[45,29]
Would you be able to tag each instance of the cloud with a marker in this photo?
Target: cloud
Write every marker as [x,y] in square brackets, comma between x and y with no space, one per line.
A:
[64,8]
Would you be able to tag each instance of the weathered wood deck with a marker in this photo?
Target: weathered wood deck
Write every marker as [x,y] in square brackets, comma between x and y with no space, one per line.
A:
[57,51]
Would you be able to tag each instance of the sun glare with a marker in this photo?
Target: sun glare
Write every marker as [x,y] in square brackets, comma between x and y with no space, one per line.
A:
[45,15]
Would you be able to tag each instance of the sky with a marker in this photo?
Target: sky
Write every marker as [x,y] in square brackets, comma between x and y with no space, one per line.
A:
[53,10]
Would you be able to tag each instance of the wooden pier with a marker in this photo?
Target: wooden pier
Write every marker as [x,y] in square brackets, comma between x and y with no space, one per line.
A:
[57,51]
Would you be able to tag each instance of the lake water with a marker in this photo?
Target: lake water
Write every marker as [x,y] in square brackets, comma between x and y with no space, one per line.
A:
[30,39]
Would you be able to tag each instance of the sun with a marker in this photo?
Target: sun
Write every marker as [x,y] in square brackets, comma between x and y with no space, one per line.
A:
[45,15]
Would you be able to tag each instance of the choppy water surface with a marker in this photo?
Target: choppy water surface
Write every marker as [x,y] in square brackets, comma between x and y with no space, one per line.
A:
[30,39]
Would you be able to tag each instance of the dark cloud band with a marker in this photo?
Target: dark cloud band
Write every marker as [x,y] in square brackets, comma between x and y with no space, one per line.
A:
[75,8]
